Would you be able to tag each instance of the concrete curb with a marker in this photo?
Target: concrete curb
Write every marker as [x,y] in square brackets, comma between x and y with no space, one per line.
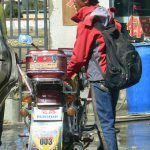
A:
[132,118]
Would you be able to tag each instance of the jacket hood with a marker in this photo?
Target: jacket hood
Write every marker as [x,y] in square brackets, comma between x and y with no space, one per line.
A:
[88,14]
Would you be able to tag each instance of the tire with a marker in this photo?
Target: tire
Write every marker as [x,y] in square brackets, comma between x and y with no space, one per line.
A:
[77,146]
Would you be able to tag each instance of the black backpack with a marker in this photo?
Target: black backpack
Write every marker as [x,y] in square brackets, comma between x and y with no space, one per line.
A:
[124,67]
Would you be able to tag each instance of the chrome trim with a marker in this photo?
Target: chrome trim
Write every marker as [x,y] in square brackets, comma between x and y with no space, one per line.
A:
[31,55]
[48,80]
[124,19]
[49,104]
[40,71]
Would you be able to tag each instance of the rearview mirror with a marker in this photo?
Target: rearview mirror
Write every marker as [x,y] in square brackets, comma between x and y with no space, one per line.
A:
[25,39]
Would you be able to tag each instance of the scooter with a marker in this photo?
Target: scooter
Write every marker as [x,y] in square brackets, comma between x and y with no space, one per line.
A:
[53,110]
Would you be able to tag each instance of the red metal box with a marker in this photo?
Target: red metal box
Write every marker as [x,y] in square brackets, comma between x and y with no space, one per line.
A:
[68,52]
[46,64]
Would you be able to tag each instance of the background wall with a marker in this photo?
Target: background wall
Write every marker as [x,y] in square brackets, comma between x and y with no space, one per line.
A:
[61,36]
[105,3]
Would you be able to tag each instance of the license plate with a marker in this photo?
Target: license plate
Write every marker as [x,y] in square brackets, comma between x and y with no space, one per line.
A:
[46,135]
[39,114]
[43,65]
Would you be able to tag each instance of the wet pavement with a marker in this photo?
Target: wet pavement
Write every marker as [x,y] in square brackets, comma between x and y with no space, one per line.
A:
[133,135]
[134,131]
[10,138]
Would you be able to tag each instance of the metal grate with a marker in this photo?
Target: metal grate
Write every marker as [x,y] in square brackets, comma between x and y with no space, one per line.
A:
[27,17]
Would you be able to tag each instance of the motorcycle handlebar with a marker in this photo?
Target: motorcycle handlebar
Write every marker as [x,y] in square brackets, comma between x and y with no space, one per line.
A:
[19,61]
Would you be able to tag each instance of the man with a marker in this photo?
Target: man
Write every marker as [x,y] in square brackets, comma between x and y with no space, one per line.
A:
[4,31]
[90,45]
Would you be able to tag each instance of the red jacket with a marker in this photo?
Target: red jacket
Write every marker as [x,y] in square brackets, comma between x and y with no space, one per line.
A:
[89,41]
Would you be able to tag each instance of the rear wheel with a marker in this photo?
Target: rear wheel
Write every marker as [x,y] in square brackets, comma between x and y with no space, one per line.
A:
[77,146]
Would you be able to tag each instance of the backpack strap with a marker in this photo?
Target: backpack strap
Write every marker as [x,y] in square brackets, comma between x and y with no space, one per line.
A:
[99,26]
[111,27]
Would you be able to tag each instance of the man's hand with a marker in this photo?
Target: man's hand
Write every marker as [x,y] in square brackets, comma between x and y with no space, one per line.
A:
[73,82]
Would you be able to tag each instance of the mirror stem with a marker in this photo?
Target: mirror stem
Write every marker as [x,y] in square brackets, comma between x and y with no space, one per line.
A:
[34,45]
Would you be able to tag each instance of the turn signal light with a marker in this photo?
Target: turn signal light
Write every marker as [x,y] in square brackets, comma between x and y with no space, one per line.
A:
[24,113]
[70,98]
[71,111]
[26,99]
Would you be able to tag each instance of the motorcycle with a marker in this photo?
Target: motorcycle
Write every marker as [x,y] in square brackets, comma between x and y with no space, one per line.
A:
[53,110]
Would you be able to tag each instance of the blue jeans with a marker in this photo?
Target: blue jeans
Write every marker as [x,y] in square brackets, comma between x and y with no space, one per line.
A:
[105,103]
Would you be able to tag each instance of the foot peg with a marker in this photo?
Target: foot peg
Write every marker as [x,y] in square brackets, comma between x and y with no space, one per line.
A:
[87,137]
